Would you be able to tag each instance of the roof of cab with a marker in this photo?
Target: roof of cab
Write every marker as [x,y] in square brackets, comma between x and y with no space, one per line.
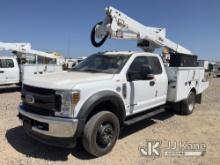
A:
[118,52]
[126,53]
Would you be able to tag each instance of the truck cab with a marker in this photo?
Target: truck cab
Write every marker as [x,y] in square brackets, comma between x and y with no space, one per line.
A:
[9,70]
[101,94]
[146,81]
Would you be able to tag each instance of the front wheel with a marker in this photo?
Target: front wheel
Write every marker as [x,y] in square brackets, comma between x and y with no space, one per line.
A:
[188,105]
[101,133]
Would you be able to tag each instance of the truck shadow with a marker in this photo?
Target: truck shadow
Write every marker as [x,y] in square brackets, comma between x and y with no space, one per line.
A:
[9,89]
[24,144]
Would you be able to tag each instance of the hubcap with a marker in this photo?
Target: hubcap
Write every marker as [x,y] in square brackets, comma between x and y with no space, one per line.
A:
[191,102]
[105,135]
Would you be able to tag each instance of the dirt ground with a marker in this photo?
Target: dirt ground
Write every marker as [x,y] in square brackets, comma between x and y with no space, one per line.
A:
[203,126]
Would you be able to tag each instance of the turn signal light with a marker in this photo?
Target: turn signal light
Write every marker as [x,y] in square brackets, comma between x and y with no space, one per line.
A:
[75,98]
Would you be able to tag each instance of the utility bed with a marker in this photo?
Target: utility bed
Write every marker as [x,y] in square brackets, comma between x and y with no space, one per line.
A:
[30,70]
[182,80]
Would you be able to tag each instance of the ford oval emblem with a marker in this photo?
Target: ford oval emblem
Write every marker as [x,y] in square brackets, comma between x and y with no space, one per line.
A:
[30,99]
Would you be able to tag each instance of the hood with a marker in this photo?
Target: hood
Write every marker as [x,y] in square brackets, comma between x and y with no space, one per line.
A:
[65,80]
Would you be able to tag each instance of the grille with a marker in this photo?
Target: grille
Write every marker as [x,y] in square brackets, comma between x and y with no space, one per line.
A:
[46,102]
[38,90]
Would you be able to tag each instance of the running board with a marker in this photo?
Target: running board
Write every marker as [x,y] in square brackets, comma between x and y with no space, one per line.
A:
[144,116]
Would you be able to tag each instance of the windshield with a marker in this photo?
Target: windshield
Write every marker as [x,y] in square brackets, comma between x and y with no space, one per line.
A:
[102,63]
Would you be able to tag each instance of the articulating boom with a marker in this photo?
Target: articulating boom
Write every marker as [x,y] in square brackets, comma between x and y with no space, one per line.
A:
[24,48]
[118,25]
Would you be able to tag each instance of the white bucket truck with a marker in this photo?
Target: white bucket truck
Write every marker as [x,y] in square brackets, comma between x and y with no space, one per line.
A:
[25,63]
[110,89]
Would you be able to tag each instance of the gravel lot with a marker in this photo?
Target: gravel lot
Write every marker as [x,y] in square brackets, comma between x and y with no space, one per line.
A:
[200,127]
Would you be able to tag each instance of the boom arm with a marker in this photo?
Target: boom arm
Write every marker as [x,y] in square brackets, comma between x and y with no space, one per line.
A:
[118,25]
[25,48]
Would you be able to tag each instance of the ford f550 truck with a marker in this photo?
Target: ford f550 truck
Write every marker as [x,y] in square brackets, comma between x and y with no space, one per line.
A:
[101,94]
[107,90]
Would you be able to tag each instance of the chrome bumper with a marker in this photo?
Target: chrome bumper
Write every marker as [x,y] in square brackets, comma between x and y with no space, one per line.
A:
[57,127]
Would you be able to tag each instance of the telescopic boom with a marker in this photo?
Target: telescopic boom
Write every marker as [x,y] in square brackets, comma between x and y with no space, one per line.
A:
[118,25]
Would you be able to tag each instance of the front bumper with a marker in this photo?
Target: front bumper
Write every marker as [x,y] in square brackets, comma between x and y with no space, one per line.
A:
[51,130]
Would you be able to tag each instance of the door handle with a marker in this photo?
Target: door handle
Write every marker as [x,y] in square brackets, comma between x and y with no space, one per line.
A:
[152,83]
[1,71]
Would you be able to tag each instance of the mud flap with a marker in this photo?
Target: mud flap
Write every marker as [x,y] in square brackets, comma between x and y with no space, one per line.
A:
[199,98]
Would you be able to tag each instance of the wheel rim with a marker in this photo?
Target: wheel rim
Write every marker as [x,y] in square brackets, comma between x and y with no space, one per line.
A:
[105,135]
[191,102]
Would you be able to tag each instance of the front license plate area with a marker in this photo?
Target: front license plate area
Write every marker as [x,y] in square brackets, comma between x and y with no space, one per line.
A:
[27,124]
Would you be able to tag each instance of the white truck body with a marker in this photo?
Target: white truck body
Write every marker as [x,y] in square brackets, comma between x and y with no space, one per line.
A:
[109,89]
[182,79]
[140,95]
[66,119]
[13,73]
[9,70]
[30,70]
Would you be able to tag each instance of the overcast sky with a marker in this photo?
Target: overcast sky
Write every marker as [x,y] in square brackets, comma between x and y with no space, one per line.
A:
[65,25]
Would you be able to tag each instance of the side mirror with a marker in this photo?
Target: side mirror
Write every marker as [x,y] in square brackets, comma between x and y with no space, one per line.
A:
[150,76]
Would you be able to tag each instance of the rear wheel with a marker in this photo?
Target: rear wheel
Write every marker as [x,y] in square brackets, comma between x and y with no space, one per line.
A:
[188,105]
[101,133]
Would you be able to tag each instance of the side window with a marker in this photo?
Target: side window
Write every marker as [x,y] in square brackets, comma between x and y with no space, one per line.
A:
[152,62]
[155,65]
[6,63]
[10,63]
[137,64]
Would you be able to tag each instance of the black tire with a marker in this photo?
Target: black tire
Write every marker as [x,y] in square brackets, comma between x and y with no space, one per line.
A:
[94,43]
[187,106]
[101,133]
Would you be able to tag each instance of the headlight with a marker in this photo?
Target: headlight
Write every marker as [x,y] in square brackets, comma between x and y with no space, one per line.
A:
[69,99]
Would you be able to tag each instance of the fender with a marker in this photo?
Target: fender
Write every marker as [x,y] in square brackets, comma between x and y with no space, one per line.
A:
[98,98]
[93,101]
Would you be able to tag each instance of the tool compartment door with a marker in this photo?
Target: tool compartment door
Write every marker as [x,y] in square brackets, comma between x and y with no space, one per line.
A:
[182,80]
